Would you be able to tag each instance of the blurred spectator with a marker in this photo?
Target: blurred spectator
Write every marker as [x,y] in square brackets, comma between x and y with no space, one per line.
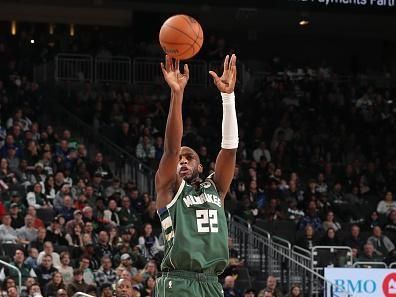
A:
[354,239]
[295,291]
[330,222]
[45,270]
[369,254]
[272,286]
[250,293]
[7,233]
[311,218]
[149,243]
[387,205]
[382,244]
[49,251]
[54,285]
[105,274]
[27,233]
[19,261]
[64,268]
[308,239]
[229,287]
[77,284]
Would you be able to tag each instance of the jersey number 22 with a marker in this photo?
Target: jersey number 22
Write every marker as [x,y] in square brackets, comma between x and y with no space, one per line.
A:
[207,220]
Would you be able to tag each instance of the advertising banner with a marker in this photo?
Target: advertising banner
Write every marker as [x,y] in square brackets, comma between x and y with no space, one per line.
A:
[361,282]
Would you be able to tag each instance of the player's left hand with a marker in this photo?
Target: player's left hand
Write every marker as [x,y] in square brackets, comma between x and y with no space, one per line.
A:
[226,83]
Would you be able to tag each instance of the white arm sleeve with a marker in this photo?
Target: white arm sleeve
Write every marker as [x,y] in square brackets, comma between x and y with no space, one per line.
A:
[230,123]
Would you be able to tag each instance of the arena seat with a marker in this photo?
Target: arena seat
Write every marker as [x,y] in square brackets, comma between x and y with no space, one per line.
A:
[46,215]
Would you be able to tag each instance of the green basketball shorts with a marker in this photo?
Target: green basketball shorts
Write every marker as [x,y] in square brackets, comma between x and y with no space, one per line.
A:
[188,284]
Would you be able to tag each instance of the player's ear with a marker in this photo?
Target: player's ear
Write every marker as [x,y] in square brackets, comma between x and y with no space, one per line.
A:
[200,168]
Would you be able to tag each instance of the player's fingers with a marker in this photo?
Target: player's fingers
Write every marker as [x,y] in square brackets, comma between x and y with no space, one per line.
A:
[186,71]
[216,78]
[177,65]
[226,60]
[233,60]
[168,63]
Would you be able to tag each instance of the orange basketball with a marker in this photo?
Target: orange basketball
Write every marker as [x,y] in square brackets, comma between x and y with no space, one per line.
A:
[181,37]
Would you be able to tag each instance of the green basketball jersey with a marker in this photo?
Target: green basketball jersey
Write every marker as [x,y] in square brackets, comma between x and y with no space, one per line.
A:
[195,230]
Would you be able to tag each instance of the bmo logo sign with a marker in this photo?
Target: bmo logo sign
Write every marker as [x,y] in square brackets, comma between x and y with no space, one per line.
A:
[360,282]
[389,285]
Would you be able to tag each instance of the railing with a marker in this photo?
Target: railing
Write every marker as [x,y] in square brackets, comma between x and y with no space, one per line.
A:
[147,71]
[274,255]
[364,264]
[71,67]
[77,294]
[125,166]
[113,69]
[392,265]
[18,272]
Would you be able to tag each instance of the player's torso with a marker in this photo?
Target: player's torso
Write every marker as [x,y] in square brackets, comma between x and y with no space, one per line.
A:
[195,229]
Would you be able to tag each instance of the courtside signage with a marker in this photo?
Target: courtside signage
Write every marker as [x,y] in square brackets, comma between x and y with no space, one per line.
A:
[361,282]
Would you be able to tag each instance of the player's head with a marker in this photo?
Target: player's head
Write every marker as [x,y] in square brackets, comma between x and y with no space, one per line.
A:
[189,166]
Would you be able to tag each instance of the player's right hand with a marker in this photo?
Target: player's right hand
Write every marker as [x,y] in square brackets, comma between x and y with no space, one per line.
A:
[176,80]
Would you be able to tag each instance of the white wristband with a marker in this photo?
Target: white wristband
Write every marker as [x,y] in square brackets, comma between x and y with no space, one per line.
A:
[230,123]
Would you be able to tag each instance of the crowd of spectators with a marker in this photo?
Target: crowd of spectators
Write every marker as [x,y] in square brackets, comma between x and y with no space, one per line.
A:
[314,150]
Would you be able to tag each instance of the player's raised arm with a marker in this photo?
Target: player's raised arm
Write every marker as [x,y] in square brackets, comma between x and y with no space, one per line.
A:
[225,162]
[166,179]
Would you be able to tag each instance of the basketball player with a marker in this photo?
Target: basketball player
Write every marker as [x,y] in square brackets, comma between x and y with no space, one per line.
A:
[191,210]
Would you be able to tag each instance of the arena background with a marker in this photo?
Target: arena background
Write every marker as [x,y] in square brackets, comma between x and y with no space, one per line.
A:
[83,108]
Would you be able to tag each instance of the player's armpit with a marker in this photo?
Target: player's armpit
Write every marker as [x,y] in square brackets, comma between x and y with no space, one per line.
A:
[166,179]
[224,170]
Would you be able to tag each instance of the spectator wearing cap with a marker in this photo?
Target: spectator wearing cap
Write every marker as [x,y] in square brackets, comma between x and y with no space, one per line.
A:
[78,284]
[7,233]
[105,274]
[49,251]
[127,214]
[27,233]
[115,188]
[77,220]
[99,165]
[16,198]
[126,263]
[98,184]
[106,290]
[55,233]
[88,275]
[39,174]
[36,198]
[17,220]
[45,270]
[12,158]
